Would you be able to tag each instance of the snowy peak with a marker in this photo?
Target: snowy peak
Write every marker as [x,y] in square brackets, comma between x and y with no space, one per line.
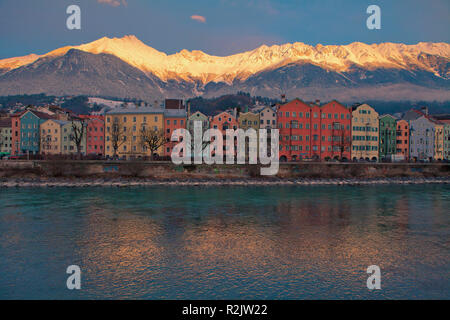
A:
[199,66]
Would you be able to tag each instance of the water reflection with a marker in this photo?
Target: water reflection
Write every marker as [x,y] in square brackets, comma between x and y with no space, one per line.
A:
[227,243]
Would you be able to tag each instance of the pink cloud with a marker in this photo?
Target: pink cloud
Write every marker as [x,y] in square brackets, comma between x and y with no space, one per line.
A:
[198,18]
[114,3]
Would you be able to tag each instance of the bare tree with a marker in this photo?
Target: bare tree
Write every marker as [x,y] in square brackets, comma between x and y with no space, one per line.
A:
[45,143]
[152,139]
[77,134]
[341,141]
[118,135]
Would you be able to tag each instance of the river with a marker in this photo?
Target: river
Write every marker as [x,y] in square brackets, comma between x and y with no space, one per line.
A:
[226,242]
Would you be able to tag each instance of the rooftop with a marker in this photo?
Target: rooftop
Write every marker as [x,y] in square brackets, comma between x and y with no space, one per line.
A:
[136,110]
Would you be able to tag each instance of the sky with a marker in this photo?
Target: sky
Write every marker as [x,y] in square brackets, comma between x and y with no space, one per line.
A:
[218,27]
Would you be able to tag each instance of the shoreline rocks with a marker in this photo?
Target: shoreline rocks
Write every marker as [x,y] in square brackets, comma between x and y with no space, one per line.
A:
[127,183]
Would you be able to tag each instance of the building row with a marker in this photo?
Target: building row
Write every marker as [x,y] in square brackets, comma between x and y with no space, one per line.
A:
[307,131]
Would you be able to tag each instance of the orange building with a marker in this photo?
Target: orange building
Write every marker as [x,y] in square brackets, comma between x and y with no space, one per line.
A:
[173,119]
[224,121]
[402,140]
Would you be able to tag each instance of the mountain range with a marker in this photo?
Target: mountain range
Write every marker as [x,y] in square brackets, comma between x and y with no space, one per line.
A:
[128,68]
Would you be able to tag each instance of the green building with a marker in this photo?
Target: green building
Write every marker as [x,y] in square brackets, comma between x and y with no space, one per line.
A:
[388,136]
[5,136]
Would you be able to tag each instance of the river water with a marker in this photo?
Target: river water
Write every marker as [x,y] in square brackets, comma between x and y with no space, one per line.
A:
[226,242]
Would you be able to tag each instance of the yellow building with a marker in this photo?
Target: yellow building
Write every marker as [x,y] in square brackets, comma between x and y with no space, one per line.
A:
[438,140]
[246,121]
[123,127]
[249,120]
[365,133]
[51,133]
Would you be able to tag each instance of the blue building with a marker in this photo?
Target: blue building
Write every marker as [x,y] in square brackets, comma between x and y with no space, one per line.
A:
[30,122]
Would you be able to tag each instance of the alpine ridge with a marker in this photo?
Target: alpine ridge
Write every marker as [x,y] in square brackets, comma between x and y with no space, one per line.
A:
[291,68]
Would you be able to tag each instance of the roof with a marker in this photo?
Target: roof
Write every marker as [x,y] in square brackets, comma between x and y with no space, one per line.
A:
[388,115]
[60,122]
[5,123]
[175,113]
[136,110]
[40,115]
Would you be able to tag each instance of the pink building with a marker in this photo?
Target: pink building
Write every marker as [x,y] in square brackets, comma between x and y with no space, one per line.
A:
[95,138]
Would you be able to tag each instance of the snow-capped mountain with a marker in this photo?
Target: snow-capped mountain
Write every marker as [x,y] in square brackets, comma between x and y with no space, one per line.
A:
[291,68]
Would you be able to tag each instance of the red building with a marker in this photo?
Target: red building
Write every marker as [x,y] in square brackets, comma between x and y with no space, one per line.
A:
[95,137]
[311,131]
[173,119]
[15,126]
[224,121]
[402,140]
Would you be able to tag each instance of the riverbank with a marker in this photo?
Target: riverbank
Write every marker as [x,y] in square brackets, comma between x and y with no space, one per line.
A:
[127,182]
[167,171]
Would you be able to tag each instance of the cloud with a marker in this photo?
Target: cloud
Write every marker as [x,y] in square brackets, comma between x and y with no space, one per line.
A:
[198,18]
[114,3]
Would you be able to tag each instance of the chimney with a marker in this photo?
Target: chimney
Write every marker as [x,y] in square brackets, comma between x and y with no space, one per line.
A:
[318,102]
[425,110]
[235,112]
[283,98]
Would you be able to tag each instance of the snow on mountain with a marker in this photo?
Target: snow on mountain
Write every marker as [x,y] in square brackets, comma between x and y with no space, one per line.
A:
[198,66]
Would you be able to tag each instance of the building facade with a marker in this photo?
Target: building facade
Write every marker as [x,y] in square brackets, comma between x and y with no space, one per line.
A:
[95,136]
[173,119]
[5,136]
[268,118]
[421,146]
[197,116]
[446,139]
[365,133]
[30,123]
[439,134]
[311,131]
[68,144]
[222,122]
[402,141]
[336,131]
[129,123]
[298,123]
[51,133]
[388,137]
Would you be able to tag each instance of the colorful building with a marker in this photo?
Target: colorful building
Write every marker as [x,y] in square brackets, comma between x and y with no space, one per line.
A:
[365,133]
[248,120]
[197,116]
[446,139]
[268,118]
[51,136]
[95,135]
[15,126]
[298,122]
[129,123]
[173,119]
[224,121]
[68,145]
[421,141]
[439,134]
[309,131]
[388,137]
[29,139]
[5,136]
[336,132]
[402,140]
